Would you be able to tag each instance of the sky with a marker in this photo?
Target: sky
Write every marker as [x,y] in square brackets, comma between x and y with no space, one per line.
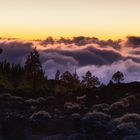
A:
[25,24]
[37,19]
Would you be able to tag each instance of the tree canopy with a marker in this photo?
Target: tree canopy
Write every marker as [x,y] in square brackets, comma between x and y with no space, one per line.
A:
[89,80]
[118,77]
[33,67]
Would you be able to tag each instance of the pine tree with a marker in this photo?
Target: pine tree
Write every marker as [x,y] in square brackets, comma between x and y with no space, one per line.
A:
[33,67]
[57,75]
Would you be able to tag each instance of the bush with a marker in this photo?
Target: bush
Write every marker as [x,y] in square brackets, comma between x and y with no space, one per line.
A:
[130,117]
[125,129]
[96,127]
[119,108]
[81,98]
[101,108]
[137,137]
[99,115]
[70,105]
[76,116]
[40,122]
[40,115]
[131,99]
[41,100]
[32,102]
[15,126]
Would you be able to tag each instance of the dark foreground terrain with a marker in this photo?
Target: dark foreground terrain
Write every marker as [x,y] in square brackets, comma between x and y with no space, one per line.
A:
[106,113]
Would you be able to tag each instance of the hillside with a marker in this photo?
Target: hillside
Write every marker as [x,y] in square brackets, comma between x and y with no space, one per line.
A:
[104,113]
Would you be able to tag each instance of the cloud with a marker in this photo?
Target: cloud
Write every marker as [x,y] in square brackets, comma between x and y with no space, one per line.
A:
[132,42]
[135,52]
[101,57]
[53,61]
[81,41]
[14,51]
[90,55]
[105,72]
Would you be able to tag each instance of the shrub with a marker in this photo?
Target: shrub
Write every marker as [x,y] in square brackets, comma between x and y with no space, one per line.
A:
[15,126]
[96,127]
[79,98]
[125,129]
[130,117]
[76,116]
[70,105]
[101,108]
[41,100]
[40,115]
[32,102]
[119,108]
[137,137]
[40,122]
[5,96]
[99,115]
[131,99]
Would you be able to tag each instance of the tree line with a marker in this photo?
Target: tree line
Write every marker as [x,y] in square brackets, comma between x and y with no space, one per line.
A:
[32,77]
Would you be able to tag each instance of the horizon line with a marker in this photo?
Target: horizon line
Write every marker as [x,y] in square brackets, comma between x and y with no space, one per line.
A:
[65,37]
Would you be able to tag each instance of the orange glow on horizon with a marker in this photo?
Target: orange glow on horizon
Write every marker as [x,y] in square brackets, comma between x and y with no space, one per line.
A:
[38,19]
[43,37]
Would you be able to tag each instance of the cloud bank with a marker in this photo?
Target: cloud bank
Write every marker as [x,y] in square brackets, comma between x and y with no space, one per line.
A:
[101,57]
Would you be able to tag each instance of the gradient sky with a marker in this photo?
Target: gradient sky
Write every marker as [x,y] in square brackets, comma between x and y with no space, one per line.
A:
[37,19]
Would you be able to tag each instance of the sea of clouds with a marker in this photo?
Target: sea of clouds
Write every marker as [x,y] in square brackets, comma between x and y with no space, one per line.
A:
[102,58]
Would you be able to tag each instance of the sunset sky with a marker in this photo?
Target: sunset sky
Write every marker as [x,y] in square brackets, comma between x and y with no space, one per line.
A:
[37,19]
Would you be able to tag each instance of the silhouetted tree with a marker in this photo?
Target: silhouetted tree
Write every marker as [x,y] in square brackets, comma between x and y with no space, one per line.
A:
[89,80]
[75,75]
[118,77]
[16,74]
[70,80]
[66,77]
[76,81]
[57,75]
[110,83]
[11,75]
[33,67]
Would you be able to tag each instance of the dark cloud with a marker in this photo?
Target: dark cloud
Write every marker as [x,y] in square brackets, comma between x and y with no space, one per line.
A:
[133,42]
[15,51]
[135,52]
[47,41]
[90,55]
[56,57]
[82,41]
